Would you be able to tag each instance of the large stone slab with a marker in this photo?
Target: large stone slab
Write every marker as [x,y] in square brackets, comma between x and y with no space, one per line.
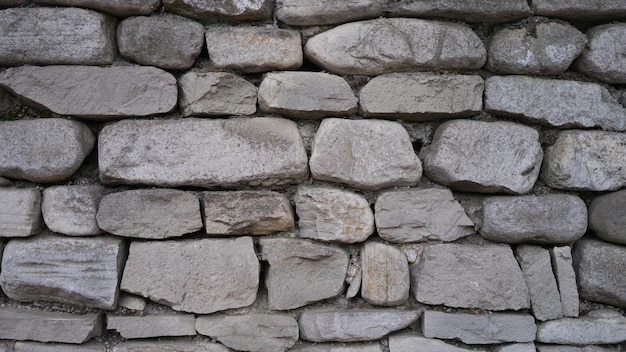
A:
[324,12]
[607,217]
[478,156]
[216,94]
[414,343]
[43,150]
[604,57]
[227,153]
[71,210]
[48,347]
[331,347]
[385,158]
[470,11]
[237,10]
[20,212]
[169,346]
[563,267]
[570,348]
[581,9]
[139,327]
[396,44]
[536,266]
[119,8]
[597,327]
[386,277]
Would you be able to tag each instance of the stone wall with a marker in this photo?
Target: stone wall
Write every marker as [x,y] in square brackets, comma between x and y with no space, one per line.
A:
[364,175]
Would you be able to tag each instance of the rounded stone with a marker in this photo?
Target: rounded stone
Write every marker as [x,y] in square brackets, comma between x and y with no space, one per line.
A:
[607,217]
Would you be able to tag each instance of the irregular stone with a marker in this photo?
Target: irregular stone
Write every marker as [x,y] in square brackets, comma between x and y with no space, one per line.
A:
[215,94]
[319,325]
[227,153]
[469,11]
[478,156]
[150,213]
[7,102]
[56,36]
[132,302]
[420,215]
[254,49]
[119,8]
[607,217]
[169,346]
[91,92]
[517,347]
[581,9]
[386,277]
[386,158]
[355,284]
[329,214]
[12,3]
[353,347]
[138,327]
[586,160]
[597,327]
[251,332]
[562,265]
[386,45]
[536,265]
[414,343]
[469,276]
[71,210]
[47,347]
[201,276]
[325,12]
[43,150]
[554,102]
[73,270]
[565,348]
[151,41]
[237,10]
[552,218]
[290,260]
[20,212]
[422,96]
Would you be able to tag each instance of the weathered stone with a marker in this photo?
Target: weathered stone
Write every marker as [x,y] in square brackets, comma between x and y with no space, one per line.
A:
[325,12]
[562,265]
[319,325]
[290,260]
[329,347]
[215,94]
[20,212]
[581,9]
[138,327]
[43,150]
[517,347]
[71,210]
[566,348]
[254,49]
[47,347]
[251,332]
[308,95]
[469,276]
[151,41]
[597,327]
[120,8]
[7,101]
[414,343]
[330,214]
[478,156]
[422,96]
[48,36]
[536,265]
[94,92]
[607,217]
[420,215]
[169,346]
[385,158]
[386,277]
[553,218]
[228,153]
[150,213]
[131,302]
[230,9]
[80,271]
[396,44]
[586,160]
[355,284]
[470,11]
[554,102]
[479,328]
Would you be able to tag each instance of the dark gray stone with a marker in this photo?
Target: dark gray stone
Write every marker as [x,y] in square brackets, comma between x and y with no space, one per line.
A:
[607,217]
[120,8]
[464,10]
[169,346]
[597,327]
[563,267]
[581,9]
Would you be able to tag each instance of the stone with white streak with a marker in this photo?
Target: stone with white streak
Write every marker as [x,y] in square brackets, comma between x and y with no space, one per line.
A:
[169,346]
[536,265]
[139,327]
[464,10]
[71,210]
[20,212]
[324,12]
[216,94]
[597,327]
[237,10]
[25,346]
[563,267]
[119,8]
[385,278]
[414,343]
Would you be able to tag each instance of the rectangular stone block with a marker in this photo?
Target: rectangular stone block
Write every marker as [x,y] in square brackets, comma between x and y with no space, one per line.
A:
[536,265]
[138,327]
[20,212]
[581,9]
[119,8]
[71,210]
[464,10]
[169,346]
[47,347]
[562,265]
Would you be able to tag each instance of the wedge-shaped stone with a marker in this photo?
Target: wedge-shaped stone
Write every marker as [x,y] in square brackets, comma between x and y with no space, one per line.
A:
[237,10]
[607,217]
[20,212]
[119,8]
[169,346]
[597,327]
[227,153]
[216,94]
[331,347]
[604,57]
[581,9]
[48,347]
[323,12]
[553,102]
[94,92]
[43,150]
[386,278]
[71,210]
[470,11]
[396,44]
[139,327]
[49,36]
[545,299]
[562,265]
[414,343]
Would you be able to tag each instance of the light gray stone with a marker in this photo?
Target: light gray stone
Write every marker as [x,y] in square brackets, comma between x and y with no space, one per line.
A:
[478,156]
[237,10]
[227,153]
[597,327]
[324,12]
[43,150]
[119,8]
[95,93]
[169,346]
[215,94]
[536,265]
[20,212]
[329,347]
[139,327]
[464,10]
[251,332]
[385,278]
[420,215]
[563,268]
[150,213]
[517,347]
[290,260]
[386,158]
[553,102]
[581,9]
[131,302]
[414,343]
[386,45]
[566,348]
[71,210]
[47,347]
[607,217]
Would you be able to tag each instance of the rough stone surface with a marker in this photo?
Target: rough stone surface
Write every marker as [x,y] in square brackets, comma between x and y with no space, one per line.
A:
[328,347]
[422,96]
[12,3]
[233,152]
[386,277]
[607,217]
[566,348]
[470,11]
[562,266]
[517,347]
[201,276]
[7,101]
[553,102]
[478,156]
[43,150]
[414,343]
[120,8]
[581,9]
[604,57]
[324,12]
[131,302]
[290,260]
[597,327]
[47,347]
[330,214]
[150,213]
[138,327]
[20,212]
[420,215]
[216,94]
[169,346]
[396,44]
[536,265]
[71,210]
[94,92]
[237,10]
[367,154]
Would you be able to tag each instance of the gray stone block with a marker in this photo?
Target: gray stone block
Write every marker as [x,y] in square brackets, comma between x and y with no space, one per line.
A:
[20,212]
[169,346]
[563,268]
[570,348]
[237,10]
[139,327]
[581,9]
[330,347]
[469,11]
[517,347]
[414,343]
[597,327]
[119,8]
[71,210]
[216,94]
[385,278]
[48,347]
[536,265]
[324,12]
[607,217]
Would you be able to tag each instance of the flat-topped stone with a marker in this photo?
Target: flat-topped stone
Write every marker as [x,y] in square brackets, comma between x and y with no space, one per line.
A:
[216,94]
[385,279]
[139,327]
[470,11]
[20,212]
[120,8]
[60,347]
[337,347]
[324,12]
[237,10]
[414,343]
[597,327]
[581,9]
[607,217]
[563,268]
[169,346]
[71,210]
[603,58]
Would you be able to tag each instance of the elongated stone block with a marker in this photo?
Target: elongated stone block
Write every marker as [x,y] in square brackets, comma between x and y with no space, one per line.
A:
[469,11]
[237,10]
[581,9]
[169,346]
[20,212]
[323,12]
[62,347]
[71,210]
[138,327]
[536,265]
[563,267]
[119,8]
[607,217]
[597,327]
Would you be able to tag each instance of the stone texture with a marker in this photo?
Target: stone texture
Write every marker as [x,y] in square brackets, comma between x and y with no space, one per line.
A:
[604,57]
[420,215]
[517,347]
[290,260]
[329,214]
[386,277]
[388,45]
[597,327]
[469,276]
[228,153]
[385,158]
[20,212]
[470,11]
[237,10]
[7,102]
[169,346]
[63,36]
[138,327]
[478,156]
[536,265]
[47,347]
[12,3]
[566,348]
[562,266]
[119,8]
[216,94]
[325,12]
[150,213]
[43,150]
[553,102]
[131,302]
[414,343]
[329,347]
[71,210]
[581,9]
[607,217]
[91,92]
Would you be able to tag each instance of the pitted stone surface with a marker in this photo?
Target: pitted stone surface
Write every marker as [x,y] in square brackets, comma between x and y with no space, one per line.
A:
[581,9]
[237,10]
[471,11]
[120,8]
[71,210]
[604,57]
[216,94]
[48,347]
[536,265]
[139,327]
[323,12]
[169,346]
[329,347]
[607,217]
[20,212]
[414,343]
[562,265]
[386,277]
[597,327]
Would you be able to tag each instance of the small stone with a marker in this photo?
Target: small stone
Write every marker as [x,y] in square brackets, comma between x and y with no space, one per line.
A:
[131,302]
[169,346]
[71,210]
[386,277]
[487,11]
[138,327]
[119,8]
[536,266]
[235,10]
[414,343]
[216,94]
[581,9]
[563,267]
[47,347]
[328,347]
[597,327]
[20,212]
[355,284]
[324,12]
[517,347]
[607,217]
